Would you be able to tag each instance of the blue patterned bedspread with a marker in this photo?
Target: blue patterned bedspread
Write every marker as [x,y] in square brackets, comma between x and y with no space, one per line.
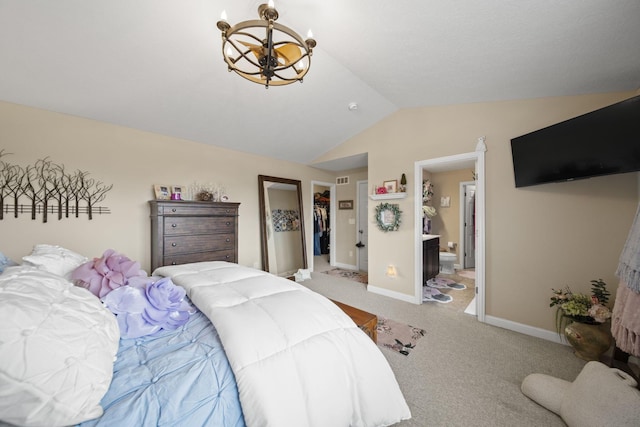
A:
[172,378]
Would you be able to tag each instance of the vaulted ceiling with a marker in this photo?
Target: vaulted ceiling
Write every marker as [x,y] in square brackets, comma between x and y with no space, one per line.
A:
[156,65]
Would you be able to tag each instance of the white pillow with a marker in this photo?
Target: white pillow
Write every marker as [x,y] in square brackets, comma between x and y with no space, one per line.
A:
[54,259]
[57,348]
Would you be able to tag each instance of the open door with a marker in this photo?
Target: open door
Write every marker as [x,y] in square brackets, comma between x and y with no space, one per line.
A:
[362,239]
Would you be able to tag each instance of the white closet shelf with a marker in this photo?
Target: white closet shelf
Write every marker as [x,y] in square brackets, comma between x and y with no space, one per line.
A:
[387,196]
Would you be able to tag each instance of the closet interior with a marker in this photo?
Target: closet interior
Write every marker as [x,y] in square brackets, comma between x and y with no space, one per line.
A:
[321,223]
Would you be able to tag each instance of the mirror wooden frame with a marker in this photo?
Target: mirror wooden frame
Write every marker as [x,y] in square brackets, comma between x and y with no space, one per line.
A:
[262,179]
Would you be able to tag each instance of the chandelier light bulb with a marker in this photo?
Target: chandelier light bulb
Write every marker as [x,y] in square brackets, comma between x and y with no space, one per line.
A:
[270,4]
[309,34]
[229,51]
[223,15]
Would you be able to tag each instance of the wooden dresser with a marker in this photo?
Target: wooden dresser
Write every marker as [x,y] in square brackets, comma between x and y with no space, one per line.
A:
[185,231]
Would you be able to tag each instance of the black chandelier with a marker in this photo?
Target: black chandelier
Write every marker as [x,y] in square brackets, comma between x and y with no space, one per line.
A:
[264,51]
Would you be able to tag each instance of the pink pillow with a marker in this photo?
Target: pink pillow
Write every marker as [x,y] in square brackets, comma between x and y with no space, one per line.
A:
[111,271]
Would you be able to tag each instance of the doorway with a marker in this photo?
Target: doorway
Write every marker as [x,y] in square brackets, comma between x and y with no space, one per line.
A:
[324,240]
[474,160]
[468,224]
[362,226]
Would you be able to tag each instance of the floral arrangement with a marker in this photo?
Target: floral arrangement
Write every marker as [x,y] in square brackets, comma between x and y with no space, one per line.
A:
[427,195]
[574,307]
[143,305]
[427,191]
[381,190]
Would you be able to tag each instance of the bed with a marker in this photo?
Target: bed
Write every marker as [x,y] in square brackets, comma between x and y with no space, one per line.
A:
[259,351]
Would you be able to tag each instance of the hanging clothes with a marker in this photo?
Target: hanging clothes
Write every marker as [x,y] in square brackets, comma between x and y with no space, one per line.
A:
[317,230]
[625,322]
[321,224]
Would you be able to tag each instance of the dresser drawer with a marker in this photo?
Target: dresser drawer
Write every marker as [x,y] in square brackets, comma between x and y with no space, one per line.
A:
[202,225]
[200,257]
[197,210]
[198,243]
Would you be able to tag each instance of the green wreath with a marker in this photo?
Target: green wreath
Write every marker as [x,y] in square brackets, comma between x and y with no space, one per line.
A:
[388,217]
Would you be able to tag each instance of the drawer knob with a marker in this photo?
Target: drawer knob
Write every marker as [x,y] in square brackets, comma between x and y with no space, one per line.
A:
[173,263]
[228,240]
[228,223]
[174,225]
[174,244]
[228,256]
[173,210]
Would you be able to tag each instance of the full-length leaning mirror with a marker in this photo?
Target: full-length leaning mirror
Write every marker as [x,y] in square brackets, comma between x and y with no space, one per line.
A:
[282,225]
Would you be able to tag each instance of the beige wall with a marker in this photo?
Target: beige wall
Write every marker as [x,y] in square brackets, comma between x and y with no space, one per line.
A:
[538,238]
[132,161]
[447,222]
[346,233]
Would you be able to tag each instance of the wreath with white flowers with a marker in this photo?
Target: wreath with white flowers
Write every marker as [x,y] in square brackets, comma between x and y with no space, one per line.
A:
[388,217]
[427,191]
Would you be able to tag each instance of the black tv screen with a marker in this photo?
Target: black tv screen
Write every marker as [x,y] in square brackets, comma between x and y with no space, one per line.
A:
[602,142]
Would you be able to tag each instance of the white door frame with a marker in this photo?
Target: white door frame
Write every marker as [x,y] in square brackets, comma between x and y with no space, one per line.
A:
[477,157]
[358,223]
[332,222]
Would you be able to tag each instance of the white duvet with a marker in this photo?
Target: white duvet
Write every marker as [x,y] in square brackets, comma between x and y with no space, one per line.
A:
[298,359]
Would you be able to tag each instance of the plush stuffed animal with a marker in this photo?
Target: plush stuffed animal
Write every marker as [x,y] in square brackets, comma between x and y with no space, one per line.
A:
[599,396]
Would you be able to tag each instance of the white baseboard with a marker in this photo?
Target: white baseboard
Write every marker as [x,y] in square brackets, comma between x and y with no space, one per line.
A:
[346,266]
[524,329]
[391,294]
[491,320]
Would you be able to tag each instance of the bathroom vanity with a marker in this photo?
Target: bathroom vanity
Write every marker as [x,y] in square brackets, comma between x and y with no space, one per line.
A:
[430,256]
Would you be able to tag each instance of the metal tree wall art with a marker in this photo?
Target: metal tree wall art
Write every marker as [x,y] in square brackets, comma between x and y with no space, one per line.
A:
[49,189]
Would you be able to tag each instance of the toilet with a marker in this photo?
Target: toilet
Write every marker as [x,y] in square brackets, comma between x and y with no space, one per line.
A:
[447,259]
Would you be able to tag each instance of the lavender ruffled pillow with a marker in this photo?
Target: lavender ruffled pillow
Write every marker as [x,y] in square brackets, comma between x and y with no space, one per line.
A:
[143,309]
[111,271]
[143,305]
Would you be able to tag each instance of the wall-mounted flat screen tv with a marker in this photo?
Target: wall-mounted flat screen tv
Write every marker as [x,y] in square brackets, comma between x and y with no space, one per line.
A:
[602,142]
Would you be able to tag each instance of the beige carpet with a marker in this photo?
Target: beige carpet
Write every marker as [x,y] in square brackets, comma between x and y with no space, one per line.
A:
[462,372]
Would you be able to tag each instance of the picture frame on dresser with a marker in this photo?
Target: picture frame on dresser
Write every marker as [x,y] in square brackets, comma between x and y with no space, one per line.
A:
[162,192]
[177,192]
